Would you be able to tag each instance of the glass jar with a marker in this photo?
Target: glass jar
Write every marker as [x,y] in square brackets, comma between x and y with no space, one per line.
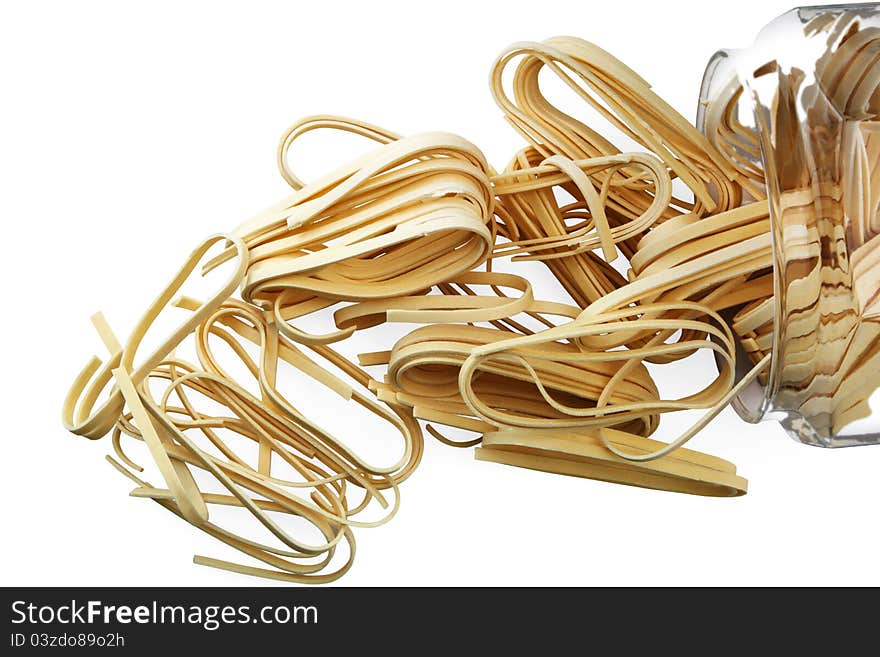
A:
[798,113]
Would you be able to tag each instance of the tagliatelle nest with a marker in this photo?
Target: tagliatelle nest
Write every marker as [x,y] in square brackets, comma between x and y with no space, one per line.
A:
[408,233]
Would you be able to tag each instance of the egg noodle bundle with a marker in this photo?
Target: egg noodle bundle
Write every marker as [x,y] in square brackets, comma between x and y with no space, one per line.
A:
[184,431]
[414,232]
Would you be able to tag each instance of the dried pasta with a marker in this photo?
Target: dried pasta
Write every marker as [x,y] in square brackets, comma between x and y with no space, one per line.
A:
[415,232]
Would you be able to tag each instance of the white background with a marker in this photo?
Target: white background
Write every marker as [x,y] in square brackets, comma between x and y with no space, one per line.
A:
[129,131]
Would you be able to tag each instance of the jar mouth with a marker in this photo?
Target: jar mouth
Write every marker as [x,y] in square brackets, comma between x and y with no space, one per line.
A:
[811,84]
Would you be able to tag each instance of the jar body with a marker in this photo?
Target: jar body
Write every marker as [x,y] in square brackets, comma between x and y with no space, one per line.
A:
[811,82]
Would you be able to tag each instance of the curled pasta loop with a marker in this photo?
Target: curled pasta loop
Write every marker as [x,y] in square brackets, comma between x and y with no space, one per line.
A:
[271,344]
[323,122]
[434,369]
[539,228]
[625,101]
[415,211]
[79,414]
[446,307]
[606,410]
